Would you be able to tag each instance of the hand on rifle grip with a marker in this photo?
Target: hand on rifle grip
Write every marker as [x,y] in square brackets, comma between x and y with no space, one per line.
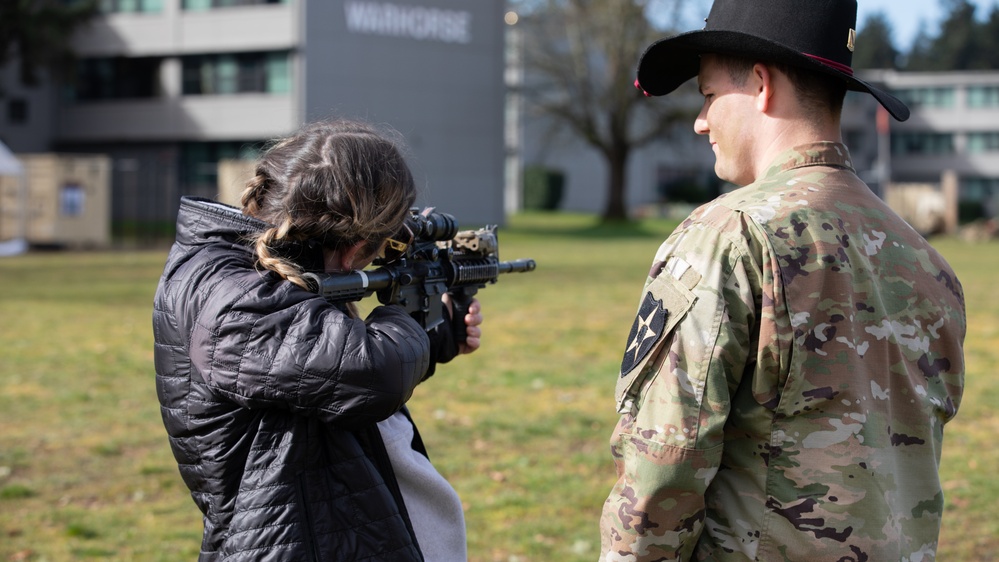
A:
[466,316]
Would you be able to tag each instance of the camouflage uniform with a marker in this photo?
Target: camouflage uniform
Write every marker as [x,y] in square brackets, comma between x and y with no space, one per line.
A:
[796,354]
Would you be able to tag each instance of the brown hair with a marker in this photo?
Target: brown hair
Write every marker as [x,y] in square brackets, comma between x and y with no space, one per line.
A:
[819,93]
[334,182]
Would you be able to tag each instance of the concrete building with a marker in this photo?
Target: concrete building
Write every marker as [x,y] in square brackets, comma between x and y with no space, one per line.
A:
[682,156]
[535,140]
[954,127]
[168,88]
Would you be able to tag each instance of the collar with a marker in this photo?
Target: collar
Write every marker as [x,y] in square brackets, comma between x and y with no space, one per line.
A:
[204,221]
[823,153]
[200,218]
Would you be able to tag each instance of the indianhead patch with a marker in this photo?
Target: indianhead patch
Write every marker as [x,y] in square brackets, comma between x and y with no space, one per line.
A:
[645,333]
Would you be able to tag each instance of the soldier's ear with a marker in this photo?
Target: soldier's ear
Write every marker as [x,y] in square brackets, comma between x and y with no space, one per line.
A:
[761,80]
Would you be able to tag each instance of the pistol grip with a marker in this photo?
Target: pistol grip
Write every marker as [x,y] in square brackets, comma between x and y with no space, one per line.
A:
[461,299]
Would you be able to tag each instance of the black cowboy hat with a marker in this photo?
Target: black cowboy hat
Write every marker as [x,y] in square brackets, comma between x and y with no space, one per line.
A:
[814,34]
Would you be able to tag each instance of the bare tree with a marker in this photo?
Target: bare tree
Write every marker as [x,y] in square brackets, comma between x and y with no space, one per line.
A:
[36,34]
[580,59]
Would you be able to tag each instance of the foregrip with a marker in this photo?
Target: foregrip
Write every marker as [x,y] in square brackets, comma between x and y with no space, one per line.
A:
[469,276]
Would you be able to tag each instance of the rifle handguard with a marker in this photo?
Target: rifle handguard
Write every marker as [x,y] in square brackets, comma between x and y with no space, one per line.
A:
[440,259]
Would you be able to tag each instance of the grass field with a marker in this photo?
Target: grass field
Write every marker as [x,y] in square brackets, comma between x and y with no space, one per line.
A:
[520,427]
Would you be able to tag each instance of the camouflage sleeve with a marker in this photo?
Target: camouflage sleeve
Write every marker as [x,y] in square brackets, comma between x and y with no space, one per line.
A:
[685,356]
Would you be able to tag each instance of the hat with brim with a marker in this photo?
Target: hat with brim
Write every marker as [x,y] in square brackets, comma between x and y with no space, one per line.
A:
[815,35]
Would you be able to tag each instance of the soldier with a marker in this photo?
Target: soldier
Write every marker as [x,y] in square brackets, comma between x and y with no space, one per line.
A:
[798,347]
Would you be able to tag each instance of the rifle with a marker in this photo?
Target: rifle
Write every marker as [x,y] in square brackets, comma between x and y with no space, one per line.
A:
[438,259]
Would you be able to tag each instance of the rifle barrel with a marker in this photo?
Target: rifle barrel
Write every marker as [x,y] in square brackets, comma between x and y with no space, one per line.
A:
[517,266]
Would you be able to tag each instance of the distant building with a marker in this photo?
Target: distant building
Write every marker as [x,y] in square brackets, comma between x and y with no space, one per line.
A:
[168,88]
[954,126]
[537,141]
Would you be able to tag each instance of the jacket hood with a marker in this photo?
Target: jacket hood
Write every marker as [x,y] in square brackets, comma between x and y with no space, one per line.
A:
[202,220]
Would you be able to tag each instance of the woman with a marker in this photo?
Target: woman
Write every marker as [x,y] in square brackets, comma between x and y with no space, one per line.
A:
[275,401]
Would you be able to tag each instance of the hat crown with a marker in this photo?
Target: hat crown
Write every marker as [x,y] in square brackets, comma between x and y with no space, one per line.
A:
[816,35]
[818,28]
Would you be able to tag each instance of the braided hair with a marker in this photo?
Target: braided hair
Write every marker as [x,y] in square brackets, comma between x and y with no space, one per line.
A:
[333,182]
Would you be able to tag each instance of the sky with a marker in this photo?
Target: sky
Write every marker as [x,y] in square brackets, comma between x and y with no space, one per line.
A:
[905,16]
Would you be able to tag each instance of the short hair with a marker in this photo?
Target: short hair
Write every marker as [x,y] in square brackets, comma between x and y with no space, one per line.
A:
[818,92]
[335,183]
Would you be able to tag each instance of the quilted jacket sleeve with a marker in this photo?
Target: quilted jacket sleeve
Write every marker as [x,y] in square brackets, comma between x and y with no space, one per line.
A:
[264,343]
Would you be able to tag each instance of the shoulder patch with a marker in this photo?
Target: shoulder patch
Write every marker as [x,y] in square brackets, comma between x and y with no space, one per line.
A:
[666,300]
[645,332]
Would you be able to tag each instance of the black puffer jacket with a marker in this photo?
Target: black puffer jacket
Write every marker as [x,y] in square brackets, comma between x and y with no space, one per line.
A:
[270,396]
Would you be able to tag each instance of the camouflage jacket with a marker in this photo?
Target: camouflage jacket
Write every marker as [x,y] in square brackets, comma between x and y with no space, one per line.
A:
[796,354]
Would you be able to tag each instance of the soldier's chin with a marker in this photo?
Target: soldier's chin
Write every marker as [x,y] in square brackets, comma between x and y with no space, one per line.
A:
[731,176]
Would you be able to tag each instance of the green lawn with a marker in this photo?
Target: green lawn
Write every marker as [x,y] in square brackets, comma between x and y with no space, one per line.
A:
[520,427]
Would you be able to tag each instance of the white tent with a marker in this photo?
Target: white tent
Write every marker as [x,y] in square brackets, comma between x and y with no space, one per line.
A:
[11,166]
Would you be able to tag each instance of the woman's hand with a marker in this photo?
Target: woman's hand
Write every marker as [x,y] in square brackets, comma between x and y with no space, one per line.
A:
[473,318]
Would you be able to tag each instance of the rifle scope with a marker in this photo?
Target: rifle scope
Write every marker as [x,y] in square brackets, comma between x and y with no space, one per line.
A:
[432,226]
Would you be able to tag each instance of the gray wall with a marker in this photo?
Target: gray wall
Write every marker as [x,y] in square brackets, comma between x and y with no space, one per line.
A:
[431,69]
[586,171]
[34,134]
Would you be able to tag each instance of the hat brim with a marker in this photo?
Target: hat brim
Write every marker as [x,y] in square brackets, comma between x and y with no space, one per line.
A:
[670,62]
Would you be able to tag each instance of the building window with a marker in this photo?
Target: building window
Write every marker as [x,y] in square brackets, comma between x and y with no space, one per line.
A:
[856,99]
[983,96]
[855,141]
[201,5]
[980,189]
[116,78]
[237,73]
[199,160]
[142,6]
[17,111]
[983,142]
[927,97]
[907,144]
[278,73]
[71,200]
